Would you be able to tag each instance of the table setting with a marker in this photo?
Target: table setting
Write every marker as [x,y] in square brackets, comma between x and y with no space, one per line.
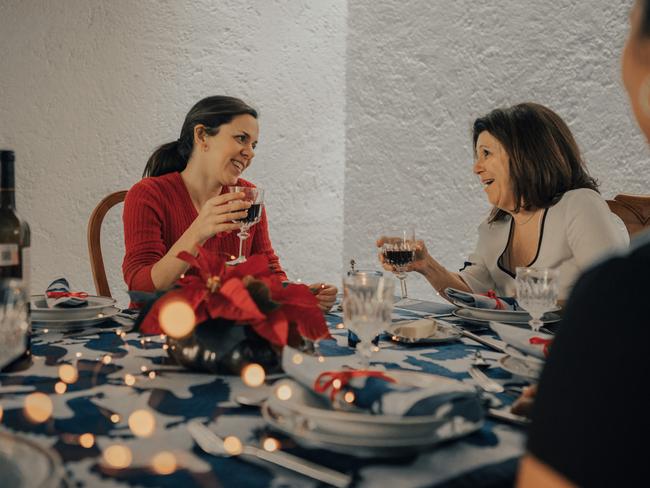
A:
[421,400]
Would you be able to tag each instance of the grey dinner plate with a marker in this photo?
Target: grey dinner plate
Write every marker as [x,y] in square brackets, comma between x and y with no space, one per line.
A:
[23,463]
[96,305]
[483,317]
[66,322]
[442,333]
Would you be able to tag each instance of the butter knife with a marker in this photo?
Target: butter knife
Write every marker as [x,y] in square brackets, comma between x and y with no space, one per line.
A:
[486,341]
[488,384]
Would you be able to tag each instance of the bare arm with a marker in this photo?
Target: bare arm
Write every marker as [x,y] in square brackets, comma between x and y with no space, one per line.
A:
[534,473]
[441,278]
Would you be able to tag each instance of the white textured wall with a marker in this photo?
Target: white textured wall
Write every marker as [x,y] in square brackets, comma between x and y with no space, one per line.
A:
[375,95]
[88,88]
[419,73]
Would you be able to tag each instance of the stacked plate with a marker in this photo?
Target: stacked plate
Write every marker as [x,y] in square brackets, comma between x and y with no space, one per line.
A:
[24,463]
[97,310]
[311,422]
[482,316]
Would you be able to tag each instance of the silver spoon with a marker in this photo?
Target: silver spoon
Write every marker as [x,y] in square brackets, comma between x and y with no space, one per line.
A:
[248,401]
[253,397]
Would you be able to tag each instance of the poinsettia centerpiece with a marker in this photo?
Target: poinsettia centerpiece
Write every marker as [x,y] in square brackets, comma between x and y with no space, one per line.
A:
[248,294]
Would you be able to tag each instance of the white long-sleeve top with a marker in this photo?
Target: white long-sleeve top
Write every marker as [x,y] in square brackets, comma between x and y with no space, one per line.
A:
[574,233]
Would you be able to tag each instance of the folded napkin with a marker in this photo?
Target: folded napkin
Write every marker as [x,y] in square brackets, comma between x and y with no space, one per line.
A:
[377,392]
[481,300]
[525,341]
[58,294]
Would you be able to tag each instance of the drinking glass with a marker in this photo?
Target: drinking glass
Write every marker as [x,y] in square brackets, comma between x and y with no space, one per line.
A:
[353,340]
[256,197]
[14,322]
[537,291]
[367,309]
[399,251]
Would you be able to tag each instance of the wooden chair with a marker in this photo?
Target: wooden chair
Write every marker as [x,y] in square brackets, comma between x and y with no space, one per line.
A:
[94,241]
[634,211]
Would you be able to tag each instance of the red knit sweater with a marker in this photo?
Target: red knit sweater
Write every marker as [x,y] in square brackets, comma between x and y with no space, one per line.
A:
[157,211]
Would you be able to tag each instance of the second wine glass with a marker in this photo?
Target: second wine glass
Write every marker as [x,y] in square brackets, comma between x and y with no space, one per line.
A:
[367,308]
[537,292]
[255,196]
[398,251]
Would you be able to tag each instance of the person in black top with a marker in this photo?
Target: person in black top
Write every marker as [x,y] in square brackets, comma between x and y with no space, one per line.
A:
[589,423]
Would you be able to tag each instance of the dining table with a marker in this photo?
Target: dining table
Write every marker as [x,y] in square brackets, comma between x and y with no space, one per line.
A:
[115,409]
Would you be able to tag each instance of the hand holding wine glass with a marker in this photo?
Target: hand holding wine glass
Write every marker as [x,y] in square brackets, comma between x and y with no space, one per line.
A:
[421,257]
[537,292]
[217,215]
[255,197]
[397,255]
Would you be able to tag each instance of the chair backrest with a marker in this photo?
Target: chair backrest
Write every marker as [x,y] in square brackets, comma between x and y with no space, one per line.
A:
[634,211]
[94,240]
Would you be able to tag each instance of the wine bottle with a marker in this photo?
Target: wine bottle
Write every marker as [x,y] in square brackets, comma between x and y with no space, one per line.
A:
[15,242]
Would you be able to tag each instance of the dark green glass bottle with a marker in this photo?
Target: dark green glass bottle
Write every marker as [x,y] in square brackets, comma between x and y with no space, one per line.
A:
[15,240]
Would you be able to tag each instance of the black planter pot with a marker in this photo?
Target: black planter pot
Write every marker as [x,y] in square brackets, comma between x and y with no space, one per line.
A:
[220,346]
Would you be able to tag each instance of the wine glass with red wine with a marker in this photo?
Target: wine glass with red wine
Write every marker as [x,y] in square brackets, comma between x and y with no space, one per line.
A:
[256,197]
[399,251]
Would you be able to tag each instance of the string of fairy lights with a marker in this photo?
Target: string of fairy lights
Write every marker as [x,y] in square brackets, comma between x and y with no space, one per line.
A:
[177,320]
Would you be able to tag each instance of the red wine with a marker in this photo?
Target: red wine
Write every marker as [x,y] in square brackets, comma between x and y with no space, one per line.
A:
[398,258]
[253,215]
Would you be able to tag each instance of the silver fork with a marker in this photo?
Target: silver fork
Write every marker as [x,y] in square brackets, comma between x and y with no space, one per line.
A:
[211,443]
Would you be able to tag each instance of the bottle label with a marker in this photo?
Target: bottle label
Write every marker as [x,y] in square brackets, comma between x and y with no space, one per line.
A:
[9,255]
[27,269]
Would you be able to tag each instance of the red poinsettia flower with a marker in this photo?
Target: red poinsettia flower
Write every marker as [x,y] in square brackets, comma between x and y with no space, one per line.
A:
[217,291]
[298,307]
[220,291]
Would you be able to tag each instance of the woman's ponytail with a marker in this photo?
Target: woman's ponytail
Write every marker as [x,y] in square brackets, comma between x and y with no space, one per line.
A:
[165,159]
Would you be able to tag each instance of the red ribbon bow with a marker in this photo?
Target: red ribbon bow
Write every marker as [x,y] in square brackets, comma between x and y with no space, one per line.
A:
[60,294]
[328,379]
[492,294]
[545,342]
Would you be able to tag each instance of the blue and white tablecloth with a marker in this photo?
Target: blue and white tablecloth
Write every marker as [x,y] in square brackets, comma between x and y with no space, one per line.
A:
[101,400]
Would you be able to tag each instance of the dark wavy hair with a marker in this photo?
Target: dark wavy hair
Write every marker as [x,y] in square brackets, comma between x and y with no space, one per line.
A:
[544,158]
[210,112]
[645,18]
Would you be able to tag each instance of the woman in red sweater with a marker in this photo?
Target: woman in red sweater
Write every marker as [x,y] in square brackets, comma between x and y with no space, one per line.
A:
[183,201]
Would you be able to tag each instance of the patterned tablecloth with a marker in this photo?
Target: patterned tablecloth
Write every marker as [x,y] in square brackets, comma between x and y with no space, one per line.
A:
[119,374]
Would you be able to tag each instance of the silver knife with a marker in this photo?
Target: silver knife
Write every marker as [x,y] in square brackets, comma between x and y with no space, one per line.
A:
[488,384]
[507,416]
[486,341]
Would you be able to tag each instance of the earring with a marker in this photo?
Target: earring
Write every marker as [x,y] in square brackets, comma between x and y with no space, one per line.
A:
[644,96]
[205,148]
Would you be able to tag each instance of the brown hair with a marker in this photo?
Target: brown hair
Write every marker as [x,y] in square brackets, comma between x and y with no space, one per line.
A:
[645,18]
[544,158]
[210,112]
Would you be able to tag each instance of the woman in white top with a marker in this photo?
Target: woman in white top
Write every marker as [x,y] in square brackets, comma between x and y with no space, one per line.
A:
[547,211]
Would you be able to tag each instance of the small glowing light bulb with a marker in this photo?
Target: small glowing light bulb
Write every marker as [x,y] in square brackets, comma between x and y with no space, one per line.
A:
[283,392]
[232,445]
[253,375]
